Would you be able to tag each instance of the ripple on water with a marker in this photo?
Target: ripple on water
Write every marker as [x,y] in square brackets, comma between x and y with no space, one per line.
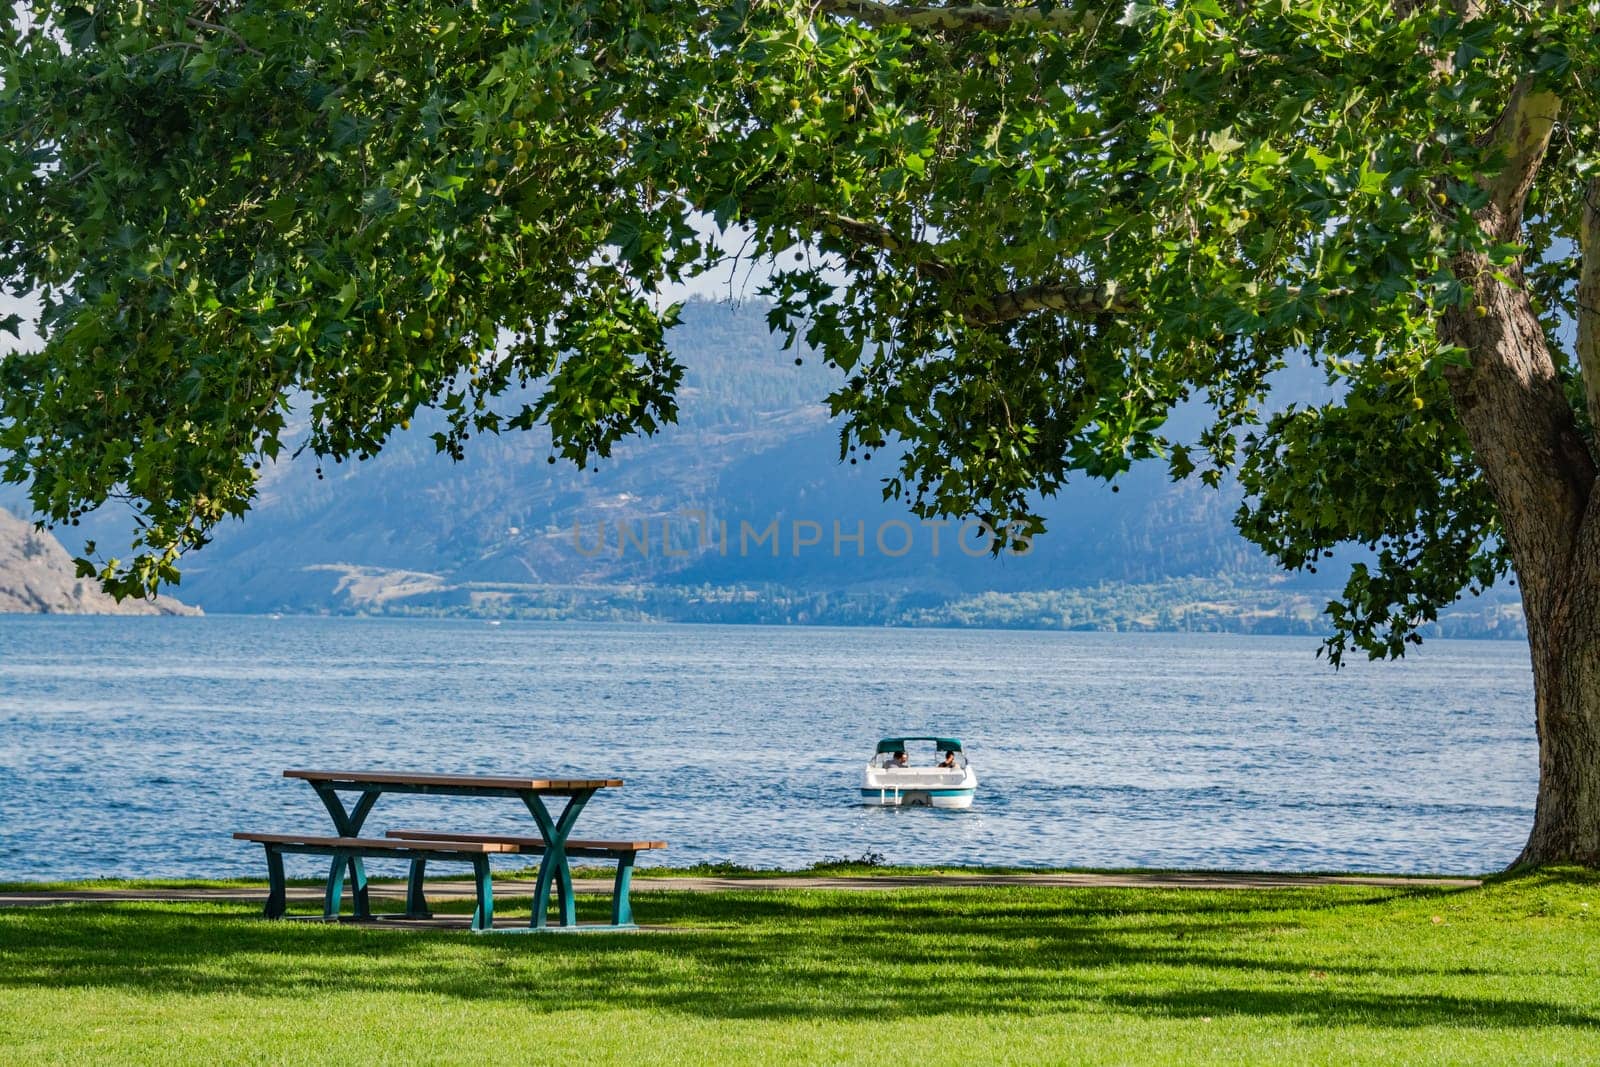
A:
[744,743]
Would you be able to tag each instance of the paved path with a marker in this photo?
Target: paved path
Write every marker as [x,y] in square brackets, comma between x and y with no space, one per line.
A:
[452,890]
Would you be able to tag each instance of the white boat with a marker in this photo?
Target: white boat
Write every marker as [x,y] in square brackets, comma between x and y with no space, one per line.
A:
[891,780]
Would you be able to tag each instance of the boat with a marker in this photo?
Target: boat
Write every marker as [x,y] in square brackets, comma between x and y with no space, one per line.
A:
[891,780]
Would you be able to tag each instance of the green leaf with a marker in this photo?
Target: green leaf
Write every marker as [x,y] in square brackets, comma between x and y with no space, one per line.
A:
[1223,142]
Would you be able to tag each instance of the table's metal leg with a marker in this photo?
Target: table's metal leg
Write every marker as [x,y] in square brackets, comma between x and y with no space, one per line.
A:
[541,892]
[554,868]
[277,892]
[483,914]
[358,888]
[621,906]
[333,893]
[561,891]
[348,824]
[416,894]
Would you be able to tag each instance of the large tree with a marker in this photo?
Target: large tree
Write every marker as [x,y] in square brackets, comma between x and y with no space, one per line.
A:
[1025,233]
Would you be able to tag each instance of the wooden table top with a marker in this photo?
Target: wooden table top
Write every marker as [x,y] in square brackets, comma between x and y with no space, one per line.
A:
[462,781]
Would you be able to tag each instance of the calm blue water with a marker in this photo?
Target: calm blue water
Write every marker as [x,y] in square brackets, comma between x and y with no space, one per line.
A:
[119,737]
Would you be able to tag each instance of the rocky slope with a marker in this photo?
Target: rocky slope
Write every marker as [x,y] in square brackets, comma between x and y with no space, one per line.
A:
[37,577]
[753,448]
[740,512]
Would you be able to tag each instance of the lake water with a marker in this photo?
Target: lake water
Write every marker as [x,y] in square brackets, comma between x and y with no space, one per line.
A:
[136,746]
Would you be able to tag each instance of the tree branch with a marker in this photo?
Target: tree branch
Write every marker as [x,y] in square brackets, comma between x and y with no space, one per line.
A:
[963,18]
[1522,134]
[226,31]
[924,260]
[1063,299]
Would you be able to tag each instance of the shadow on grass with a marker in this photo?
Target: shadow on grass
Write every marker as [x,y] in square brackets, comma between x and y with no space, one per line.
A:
[823,955]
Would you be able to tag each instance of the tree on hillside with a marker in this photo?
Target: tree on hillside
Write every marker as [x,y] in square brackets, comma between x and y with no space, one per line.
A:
[1025,233]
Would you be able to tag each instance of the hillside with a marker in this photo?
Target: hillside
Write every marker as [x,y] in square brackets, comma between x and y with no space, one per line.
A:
[37,577]
[753,447]
[507,533]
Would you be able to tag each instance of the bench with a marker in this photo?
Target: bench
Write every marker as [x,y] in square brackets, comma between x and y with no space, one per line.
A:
[349,849]
[623,852]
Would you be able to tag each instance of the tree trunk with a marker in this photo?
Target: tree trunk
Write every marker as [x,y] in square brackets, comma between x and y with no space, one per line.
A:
[1566,686]
[1526,440]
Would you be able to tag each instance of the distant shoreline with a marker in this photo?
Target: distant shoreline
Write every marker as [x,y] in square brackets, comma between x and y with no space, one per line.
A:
[1456,634]
[1247,604]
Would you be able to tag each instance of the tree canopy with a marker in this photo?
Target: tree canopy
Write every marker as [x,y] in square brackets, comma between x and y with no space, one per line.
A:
[1025,233]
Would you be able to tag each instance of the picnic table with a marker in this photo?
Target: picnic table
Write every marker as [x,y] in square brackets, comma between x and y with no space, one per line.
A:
[555,872]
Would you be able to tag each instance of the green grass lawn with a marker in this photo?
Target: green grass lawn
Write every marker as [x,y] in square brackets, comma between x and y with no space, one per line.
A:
[1503,974]
[841,868]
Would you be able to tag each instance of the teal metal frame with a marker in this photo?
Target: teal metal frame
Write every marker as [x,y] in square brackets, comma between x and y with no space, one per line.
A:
[348,823]
[555,870]
[277,891]
[621,905]
[621,886]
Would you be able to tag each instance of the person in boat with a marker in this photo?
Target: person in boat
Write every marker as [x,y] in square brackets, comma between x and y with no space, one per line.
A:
[900,759]
[949,761]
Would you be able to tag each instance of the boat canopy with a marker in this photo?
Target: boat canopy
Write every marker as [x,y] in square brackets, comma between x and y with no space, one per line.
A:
[897,744]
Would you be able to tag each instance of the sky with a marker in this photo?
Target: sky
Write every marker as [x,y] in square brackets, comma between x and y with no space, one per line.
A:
[29,310]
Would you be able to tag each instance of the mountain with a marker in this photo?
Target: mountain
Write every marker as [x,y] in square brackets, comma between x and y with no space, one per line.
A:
[37,576]
[754,447]
[505,532]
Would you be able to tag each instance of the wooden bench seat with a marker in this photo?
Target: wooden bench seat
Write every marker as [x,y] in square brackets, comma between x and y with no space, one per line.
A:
[345,850]
[531,844]
[385,845]
[624,852]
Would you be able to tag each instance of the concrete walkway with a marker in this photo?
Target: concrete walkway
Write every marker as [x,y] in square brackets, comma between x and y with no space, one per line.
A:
[513,887]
